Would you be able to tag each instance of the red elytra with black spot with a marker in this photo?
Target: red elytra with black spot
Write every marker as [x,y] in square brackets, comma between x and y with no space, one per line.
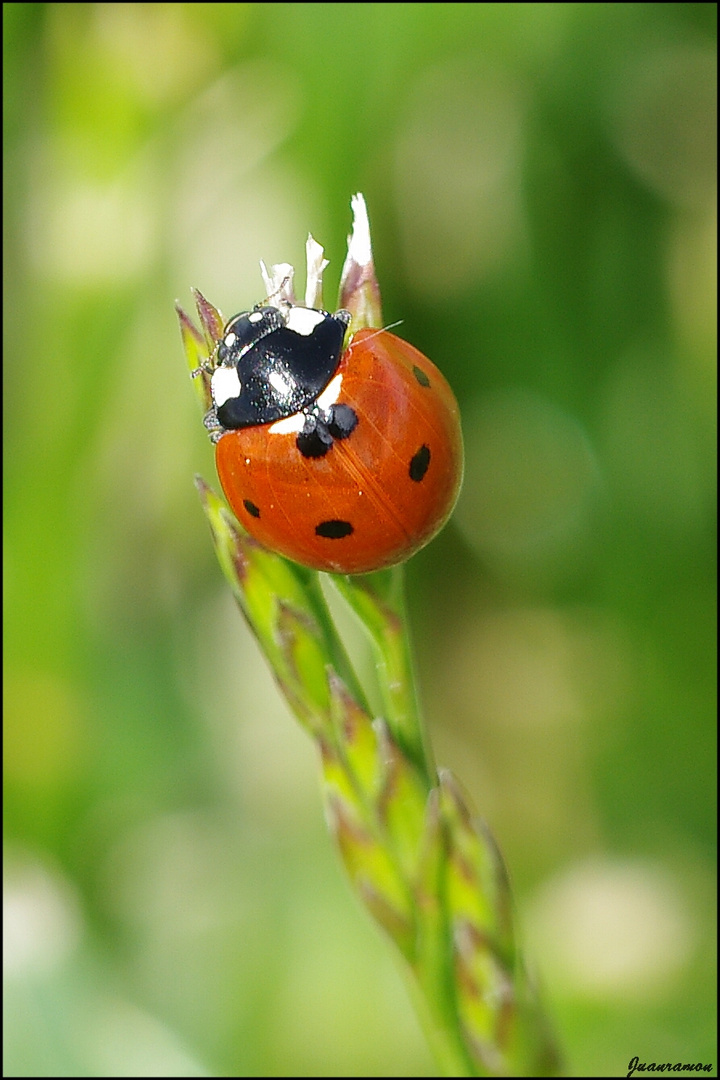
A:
[376,492]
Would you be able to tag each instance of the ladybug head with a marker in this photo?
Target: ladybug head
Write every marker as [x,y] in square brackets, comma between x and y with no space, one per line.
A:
[245,330]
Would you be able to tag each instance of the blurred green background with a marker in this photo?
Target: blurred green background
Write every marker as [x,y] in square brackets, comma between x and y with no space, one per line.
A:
[541,186]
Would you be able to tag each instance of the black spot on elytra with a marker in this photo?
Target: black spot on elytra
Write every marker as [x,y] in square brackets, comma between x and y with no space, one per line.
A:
[343,421]
[321,428]
[334,529]
[314,444]
[251,508]
[420,376]
[419,463]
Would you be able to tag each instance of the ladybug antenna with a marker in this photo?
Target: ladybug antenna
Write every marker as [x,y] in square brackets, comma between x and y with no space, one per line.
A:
[390,326]
[208,365]
[278,292]
[278,288]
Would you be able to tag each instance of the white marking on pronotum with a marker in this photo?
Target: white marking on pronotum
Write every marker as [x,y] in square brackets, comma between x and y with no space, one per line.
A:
[225,385]
[289,424]
[331,393]
[256,316]
[230,339]
[279,382]
[303,320]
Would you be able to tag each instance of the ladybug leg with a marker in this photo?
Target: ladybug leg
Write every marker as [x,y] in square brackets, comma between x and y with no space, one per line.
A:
[213,426]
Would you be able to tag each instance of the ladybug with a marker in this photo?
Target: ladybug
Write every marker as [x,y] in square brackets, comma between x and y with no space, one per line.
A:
[344,459]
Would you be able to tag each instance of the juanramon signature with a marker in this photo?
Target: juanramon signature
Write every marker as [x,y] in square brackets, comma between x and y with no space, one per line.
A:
[665,1066]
